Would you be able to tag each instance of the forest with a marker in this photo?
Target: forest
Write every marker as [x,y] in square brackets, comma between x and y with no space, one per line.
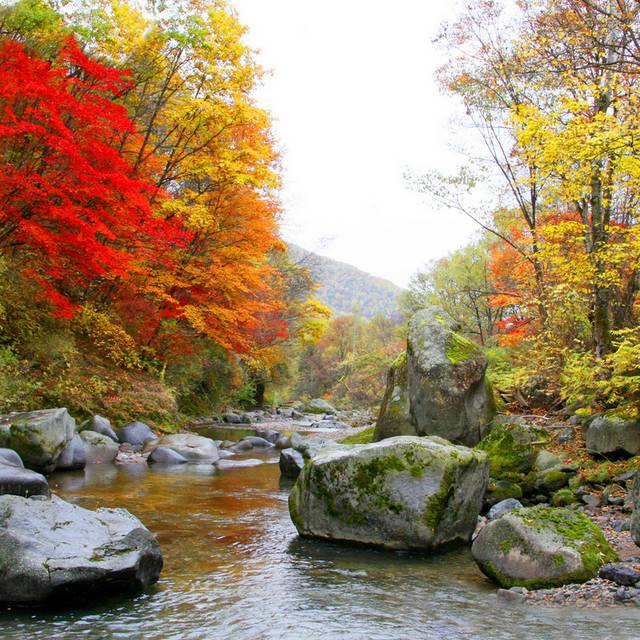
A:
[209,432]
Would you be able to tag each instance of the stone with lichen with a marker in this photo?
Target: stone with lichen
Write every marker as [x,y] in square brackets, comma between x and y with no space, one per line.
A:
[541,547]
[401,493]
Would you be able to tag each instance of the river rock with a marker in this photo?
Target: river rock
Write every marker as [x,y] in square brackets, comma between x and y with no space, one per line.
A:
[192,447]
[39,437]
[270,435]
[165,455]
[394,417]
[99,424]
[400,493]
[448,393]
[291,463]
[319,405]
[54,551]
[136,434]
[232,418]
[74,457]
[546,460]
[98,448]
[541,547]
[11,457]
[503,507]
[621,573]
[612,437]
[635,516]
[18,481]
[283,442]
[257,442]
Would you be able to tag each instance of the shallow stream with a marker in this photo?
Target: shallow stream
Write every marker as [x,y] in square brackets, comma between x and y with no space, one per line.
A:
[235,568]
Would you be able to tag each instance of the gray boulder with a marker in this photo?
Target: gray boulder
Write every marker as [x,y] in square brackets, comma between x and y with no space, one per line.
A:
[612,436]
[10,457]
[270,435]
[448,393]
[541,547]
[257,442]
[232,418]
[74,457]
[192,447]
[136,434]
[98,448]
[291,463]
[319,405]
[39,437]
[52,551]
[101,425]
[546,460]
[18,481]
[164,455]
[400,493]
[503,507]
[394,417]
[283,442]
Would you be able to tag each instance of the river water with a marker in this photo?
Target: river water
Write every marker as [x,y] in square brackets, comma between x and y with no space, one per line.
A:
[235,568]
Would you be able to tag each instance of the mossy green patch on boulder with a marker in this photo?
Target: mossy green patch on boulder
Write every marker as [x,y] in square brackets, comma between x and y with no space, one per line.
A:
[510,448]
[541,547]
[459,349]
[401,493]
[499,490]
[362,437]
[563,498]
[394,418]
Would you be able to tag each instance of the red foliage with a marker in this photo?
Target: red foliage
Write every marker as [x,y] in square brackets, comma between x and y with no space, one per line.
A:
[70,202]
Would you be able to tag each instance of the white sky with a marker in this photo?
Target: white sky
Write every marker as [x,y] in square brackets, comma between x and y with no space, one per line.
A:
[355,103]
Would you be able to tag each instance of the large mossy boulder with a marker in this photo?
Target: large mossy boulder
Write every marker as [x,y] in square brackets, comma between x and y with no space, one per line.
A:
[449,395]
[612,437]
[541,547]
[394,418]
[55,552]
[401,493]
[39,437]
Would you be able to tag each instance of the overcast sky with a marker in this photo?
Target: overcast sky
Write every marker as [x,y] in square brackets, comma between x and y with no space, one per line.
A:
[355,103]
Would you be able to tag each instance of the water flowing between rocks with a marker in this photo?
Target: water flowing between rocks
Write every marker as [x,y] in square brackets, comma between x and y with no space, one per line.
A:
[235,568]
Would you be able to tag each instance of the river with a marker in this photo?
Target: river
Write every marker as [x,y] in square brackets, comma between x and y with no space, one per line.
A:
[235,568]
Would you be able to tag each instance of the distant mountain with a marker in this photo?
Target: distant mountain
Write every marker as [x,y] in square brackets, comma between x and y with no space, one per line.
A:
[346,289]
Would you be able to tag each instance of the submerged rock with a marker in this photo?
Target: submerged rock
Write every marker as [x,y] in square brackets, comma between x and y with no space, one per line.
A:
[98,448]
[401,493]
[541,547]
[612,436]
[291,463]
[55,552]
[101,425]
[448,393]
[192,447]
[39,437]
[136,434]
[74,457]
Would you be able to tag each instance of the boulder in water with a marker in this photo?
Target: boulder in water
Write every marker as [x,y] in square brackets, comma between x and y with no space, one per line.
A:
[98,448]
[99,424]
[136,434]
[291,463]
[52,551]
[541,547]
[74,457]
[400,493]
[39,437]
[18,481]
[192,447]
[164,455]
